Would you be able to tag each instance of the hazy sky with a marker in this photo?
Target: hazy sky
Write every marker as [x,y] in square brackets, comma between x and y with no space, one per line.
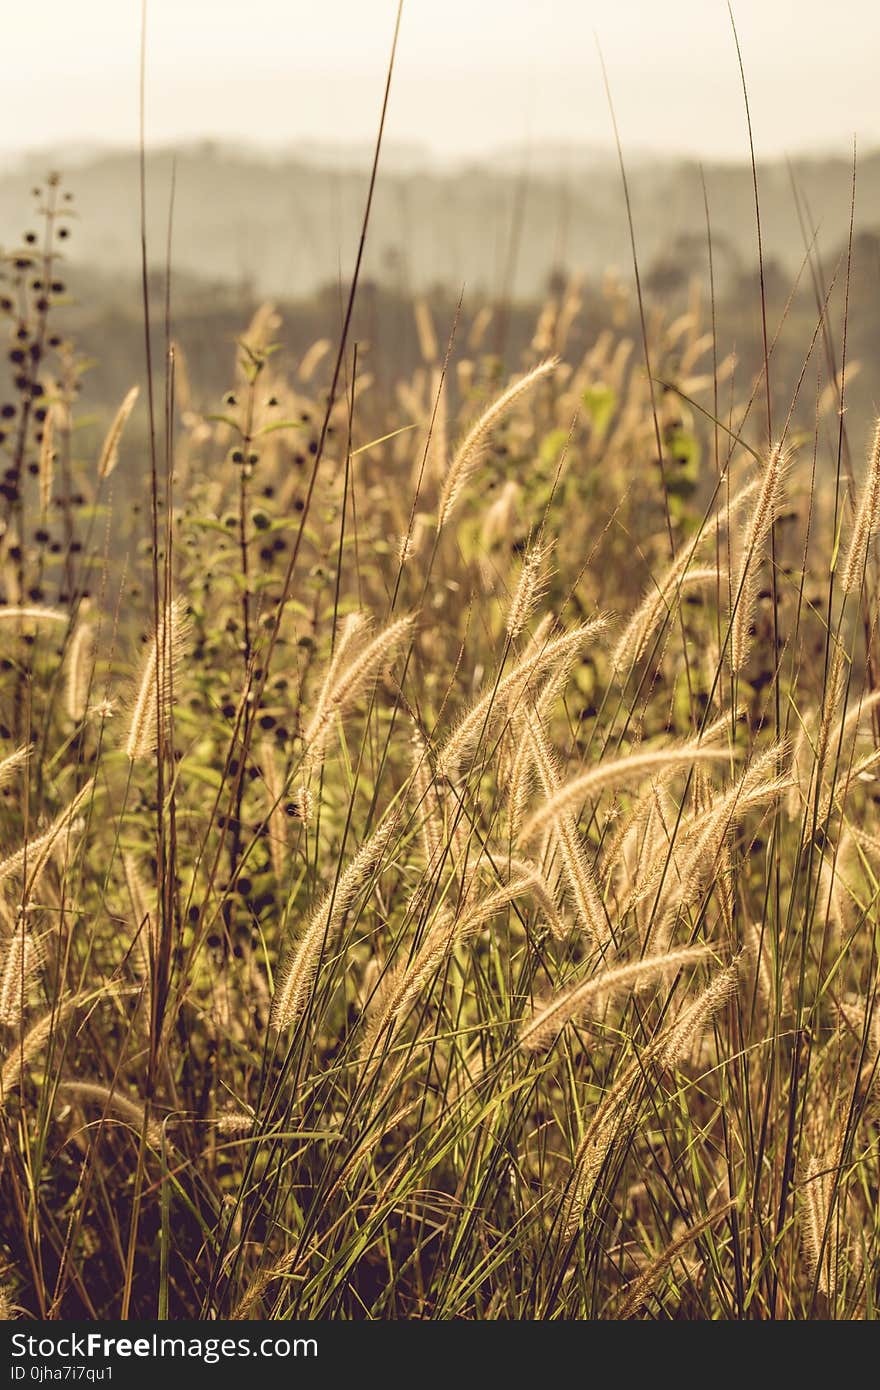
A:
[473,75]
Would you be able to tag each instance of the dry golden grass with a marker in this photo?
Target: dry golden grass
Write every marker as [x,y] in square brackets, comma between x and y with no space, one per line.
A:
[474,913]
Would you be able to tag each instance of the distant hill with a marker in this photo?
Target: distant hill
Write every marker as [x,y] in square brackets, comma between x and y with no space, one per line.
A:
[283,225]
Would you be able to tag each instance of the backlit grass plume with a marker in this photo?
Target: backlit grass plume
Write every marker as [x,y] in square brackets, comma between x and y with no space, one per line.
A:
[30,1044]
[758,528]
[577,1001]
[528,590]
[80,669]
[12,765]
[351,672]
[155,691]
[664,594]
[31,859]
[18,968]
[581,881]
[109,456]
[641,1288]
[501,699]
[299,970]
[867,521]
[616,772]
[469,454]
[112,1105]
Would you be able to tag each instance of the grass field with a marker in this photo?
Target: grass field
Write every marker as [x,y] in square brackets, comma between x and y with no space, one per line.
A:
[439,826]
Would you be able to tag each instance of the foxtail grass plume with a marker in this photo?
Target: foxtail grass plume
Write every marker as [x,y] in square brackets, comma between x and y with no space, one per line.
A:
[478,910]
[657,605]
[860,1014]
[32,613]
[582,885]
[234,1122]
[23,1051]
[651,813]
[538,662]
[12,764]
[349,675]
[533,881]
[528,590]
[35,854]
[183,395]
[437,421]
[470,452]
[427,803]
[854,716]
[500,515]
[402,985]
[520,785]
[576,1002]
[273,780]
[155,692]
[642,1287]
[299,971]
[411,543]
[677,1039]
[144,907]
[664,593]
[835,904]
[867,521]
[109,456]
[312,358]
[758,529]
[835,685]
[638,837]
[80,667]
[353,626]
[19,967]
[818,1189]
[860,770]
[680,872]
[757,954]
[425,330]
[617,772]
[114,1105]
[262,328]
[613,1120]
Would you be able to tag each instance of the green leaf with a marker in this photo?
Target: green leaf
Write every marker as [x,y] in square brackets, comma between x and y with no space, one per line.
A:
[381,440]
[225,420]
[279,425]
[600,401]
[552,446]
[200,772]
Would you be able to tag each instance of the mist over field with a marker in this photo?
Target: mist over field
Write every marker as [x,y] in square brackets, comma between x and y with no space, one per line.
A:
[248,225]
[287,224]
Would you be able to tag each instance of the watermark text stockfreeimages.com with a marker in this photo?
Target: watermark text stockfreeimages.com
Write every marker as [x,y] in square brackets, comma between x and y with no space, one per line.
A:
[210,1350]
